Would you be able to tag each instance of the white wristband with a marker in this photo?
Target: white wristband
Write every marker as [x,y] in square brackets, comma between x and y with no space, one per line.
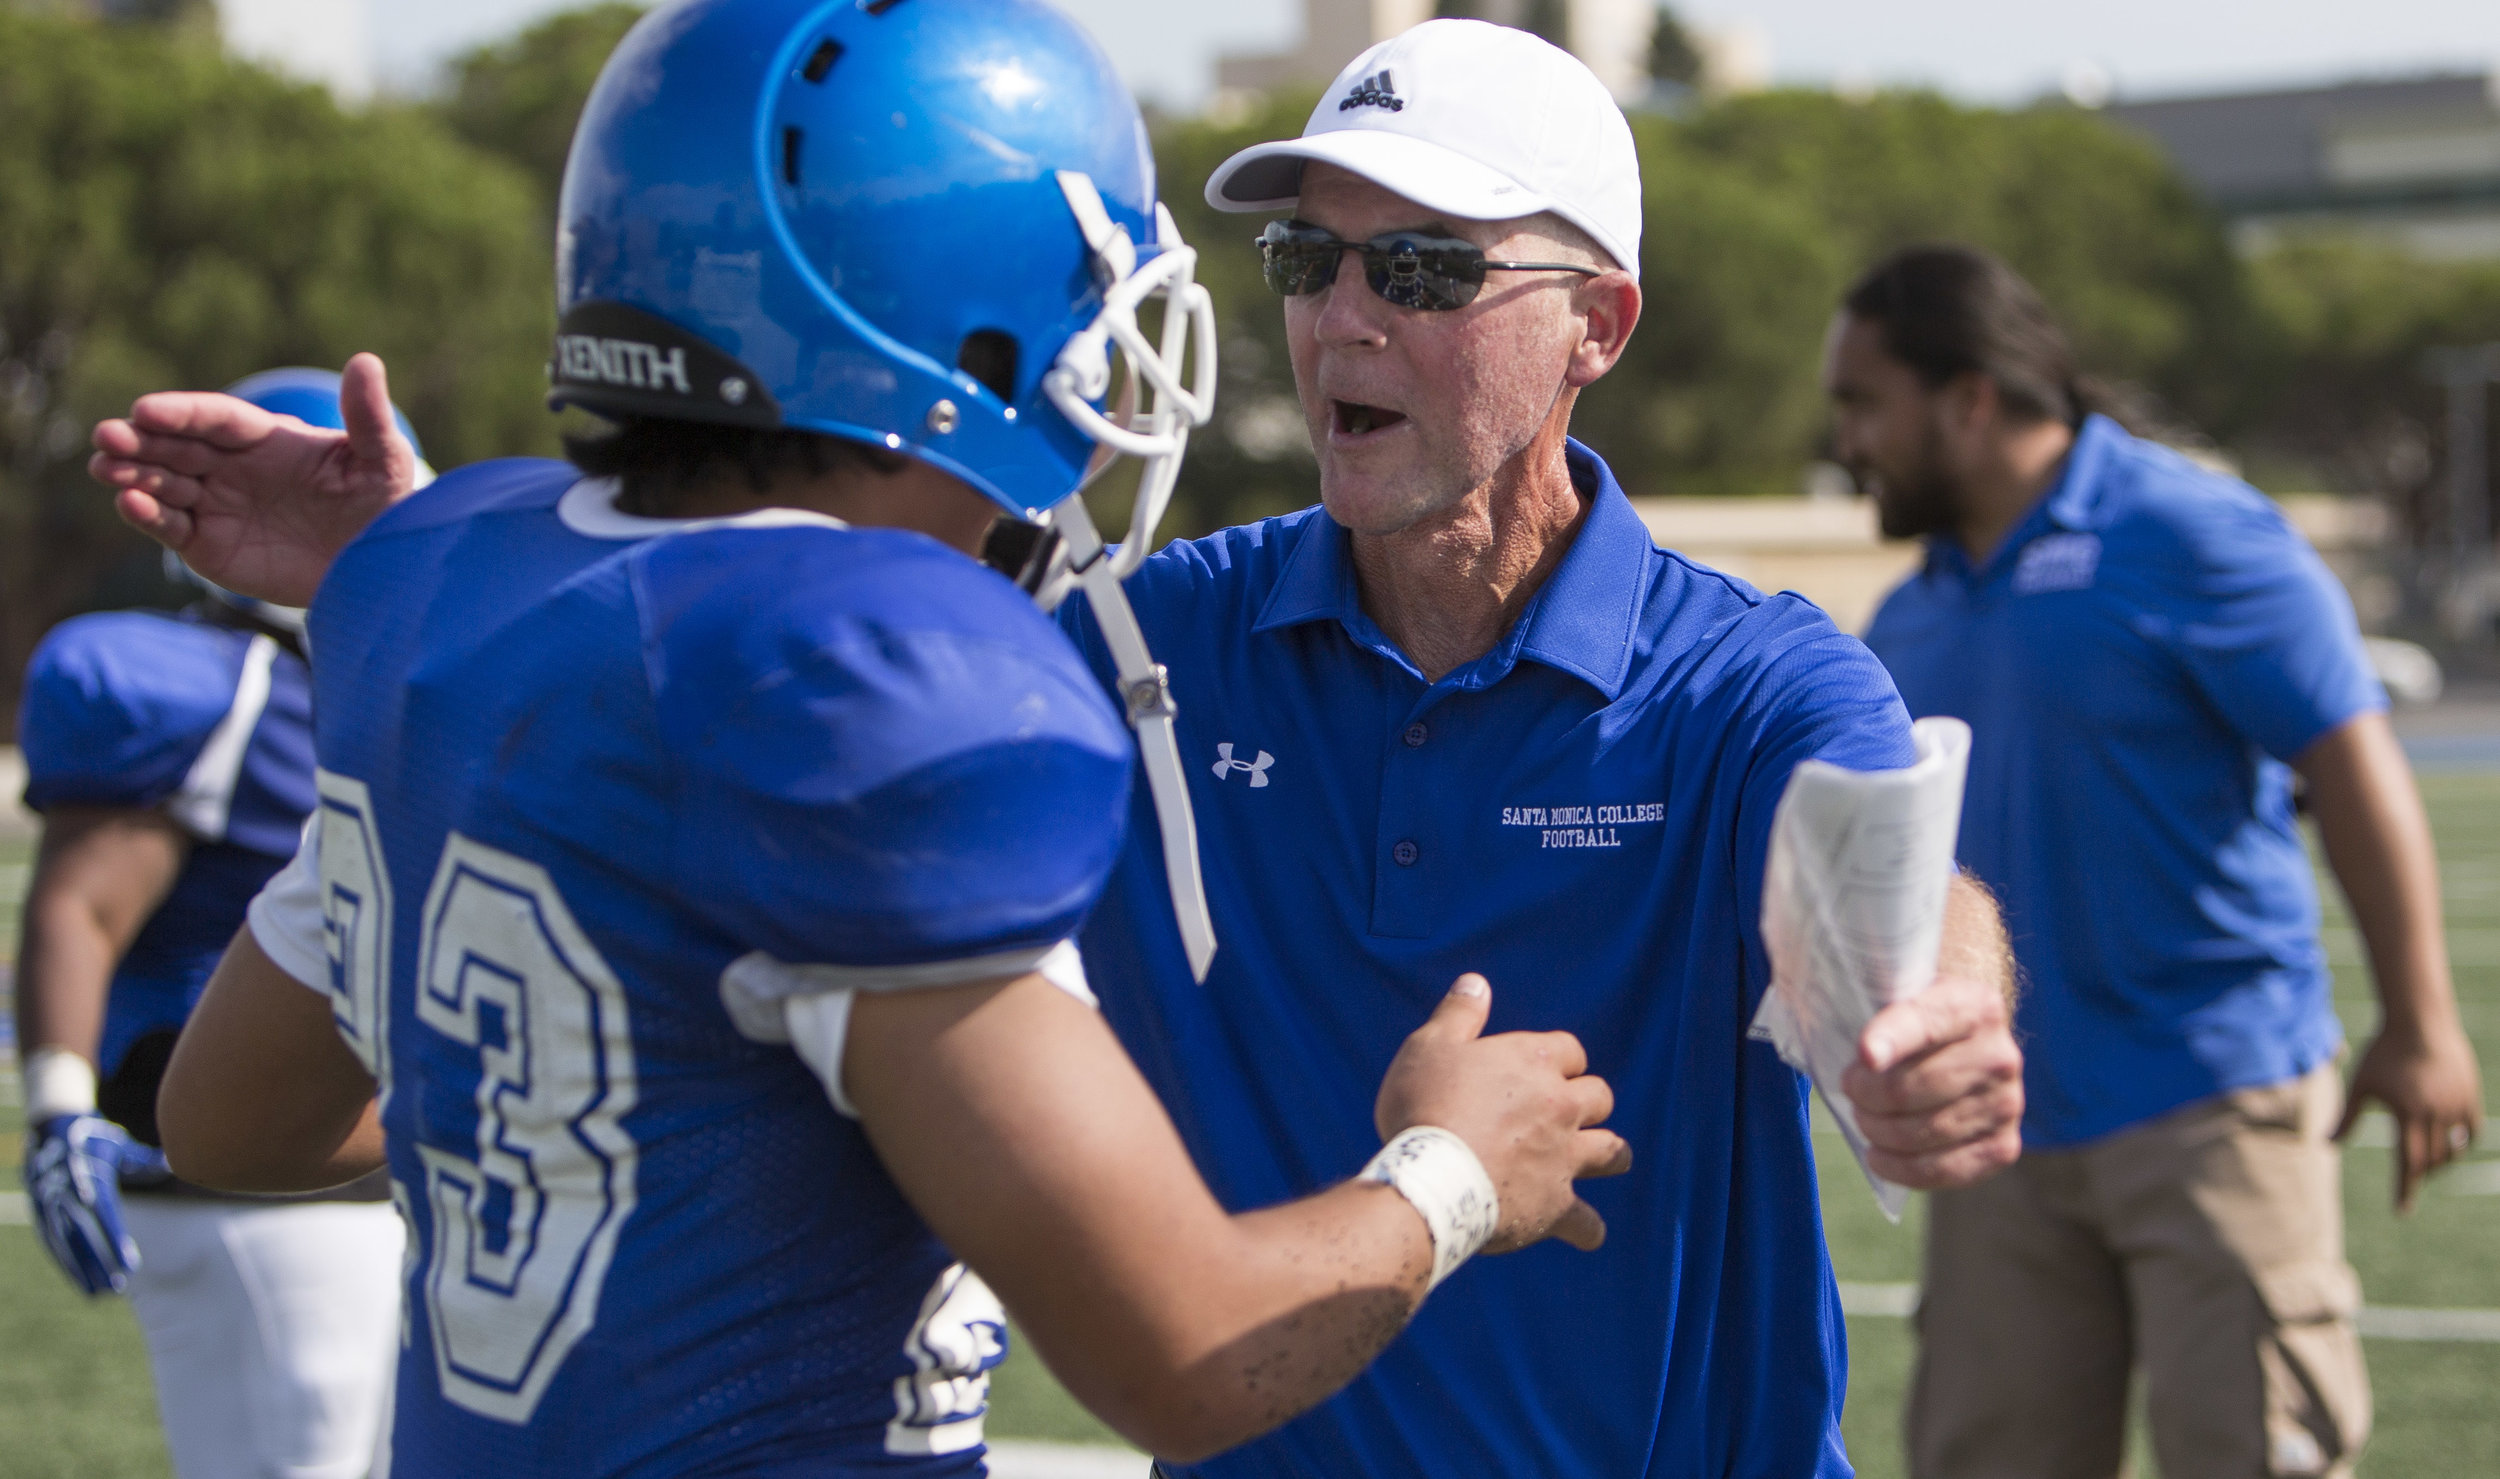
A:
[57,1082]
[1434,1170]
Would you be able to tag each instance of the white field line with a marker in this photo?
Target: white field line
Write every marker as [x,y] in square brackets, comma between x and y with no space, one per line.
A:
[2377,1322]
[2479,1177]
[1894,1301]
[1013,1459]
[2377,1131]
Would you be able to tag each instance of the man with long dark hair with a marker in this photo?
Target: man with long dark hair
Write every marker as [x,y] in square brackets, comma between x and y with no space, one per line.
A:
[2148,655]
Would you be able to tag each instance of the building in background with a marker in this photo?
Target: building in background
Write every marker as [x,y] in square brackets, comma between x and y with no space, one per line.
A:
[1614,38]
[2414,161]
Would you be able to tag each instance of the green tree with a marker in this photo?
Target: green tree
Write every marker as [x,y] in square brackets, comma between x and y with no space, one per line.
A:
[1256,459]
[2140,272]
[1716,393]
[1550,19]
[170,218]
[1673,54]
[520,98]
[2338,388]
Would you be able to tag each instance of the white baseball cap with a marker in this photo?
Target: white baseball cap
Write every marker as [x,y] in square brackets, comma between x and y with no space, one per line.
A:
[1469,119]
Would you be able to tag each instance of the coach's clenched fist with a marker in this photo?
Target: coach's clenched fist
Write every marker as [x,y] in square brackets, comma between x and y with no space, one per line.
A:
[1938,1086]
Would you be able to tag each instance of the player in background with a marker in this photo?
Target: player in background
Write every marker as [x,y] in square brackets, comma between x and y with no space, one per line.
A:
[172,759]
[701,827]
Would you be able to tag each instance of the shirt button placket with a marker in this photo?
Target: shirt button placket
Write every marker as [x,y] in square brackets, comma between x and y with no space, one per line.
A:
[1402,906]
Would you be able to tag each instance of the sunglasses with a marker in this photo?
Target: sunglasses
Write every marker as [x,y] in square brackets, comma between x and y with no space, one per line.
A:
[1433,273]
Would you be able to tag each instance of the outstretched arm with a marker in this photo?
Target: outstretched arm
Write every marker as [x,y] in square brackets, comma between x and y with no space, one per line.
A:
[257,502]
[2378,841]
[1013,1121]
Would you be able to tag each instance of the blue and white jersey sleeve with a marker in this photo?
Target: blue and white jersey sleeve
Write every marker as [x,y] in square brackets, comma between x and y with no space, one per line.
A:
[1820,695]
[914,783]
[285,916]
[139,709]
[2263,628]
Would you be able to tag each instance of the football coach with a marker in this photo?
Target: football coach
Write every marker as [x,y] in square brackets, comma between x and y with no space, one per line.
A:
[1464,715]
[2147,654]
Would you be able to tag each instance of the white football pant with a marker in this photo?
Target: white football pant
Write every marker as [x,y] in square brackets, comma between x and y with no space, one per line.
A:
[272,1331]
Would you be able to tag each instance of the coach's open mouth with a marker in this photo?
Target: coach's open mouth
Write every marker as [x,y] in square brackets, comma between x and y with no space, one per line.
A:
[1354,419]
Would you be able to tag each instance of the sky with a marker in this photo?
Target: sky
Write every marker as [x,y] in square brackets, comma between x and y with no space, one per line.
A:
[1980,50]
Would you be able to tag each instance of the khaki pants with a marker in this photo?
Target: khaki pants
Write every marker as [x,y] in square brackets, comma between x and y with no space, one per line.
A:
[2206,1246]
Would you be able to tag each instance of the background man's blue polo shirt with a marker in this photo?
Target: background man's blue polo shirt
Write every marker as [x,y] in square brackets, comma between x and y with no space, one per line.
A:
[2137,661]
[1582,814]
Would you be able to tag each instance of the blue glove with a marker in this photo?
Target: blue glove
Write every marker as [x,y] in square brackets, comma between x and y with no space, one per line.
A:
[74,1170]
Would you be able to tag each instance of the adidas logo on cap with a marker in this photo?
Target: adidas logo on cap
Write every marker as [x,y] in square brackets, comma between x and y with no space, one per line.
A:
[1375,91]
[1495,124]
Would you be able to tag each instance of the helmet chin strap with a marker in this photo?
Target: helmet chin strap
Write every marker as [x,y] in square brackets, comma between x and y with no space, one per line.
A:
[1146,694]
[1075,556]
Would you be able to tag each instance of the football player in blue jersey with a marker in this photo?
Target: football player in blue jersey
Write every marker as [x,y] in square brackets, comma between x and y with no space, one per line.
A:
[701,829]
[171,757]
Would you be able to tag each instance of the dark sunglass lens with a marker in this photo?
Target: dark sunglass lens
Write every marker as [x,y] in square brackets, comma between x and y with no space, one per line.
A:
[1422,278]
[1296,268]
[1296,262]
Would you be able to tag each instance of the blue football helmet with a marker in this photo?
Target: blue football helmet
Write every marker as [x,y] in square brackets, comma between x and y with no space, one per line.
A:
[923,225]
[918,224]
[312,397]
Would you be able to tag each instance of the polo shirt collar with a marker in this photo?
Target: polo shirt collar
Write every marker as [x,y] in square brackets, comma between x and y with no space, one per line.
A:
[1581,622]
[2072,502]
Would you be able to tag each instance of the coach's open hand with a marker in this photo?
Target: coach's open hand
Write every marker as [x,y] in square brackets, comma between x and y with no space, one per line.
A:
[257,502]
[1524,1102]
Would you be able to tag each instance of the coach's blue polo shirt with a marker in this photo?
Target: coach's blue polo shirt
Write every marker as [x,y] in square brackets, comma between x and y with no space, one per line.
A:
[2137,661]
[1582,814]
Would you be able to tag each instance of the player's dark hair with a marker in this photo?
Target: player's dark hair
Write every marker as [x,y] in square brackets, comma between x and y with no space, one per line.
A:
[1947,311]
[656,460]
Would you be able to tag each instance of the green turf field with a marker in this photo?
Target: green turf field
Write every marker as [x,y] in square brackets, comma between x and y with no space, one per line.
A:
[74,1398]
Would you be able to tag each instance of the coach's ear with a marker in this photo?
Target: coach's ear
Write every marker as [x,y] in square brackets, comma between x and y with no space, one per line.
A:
[1609,307]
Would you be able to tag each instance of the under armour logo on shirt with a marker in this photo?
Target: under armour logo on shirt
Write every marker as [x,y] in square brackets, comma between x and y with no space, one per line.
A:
[1227,765]
[1374,91]
[2057,562]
